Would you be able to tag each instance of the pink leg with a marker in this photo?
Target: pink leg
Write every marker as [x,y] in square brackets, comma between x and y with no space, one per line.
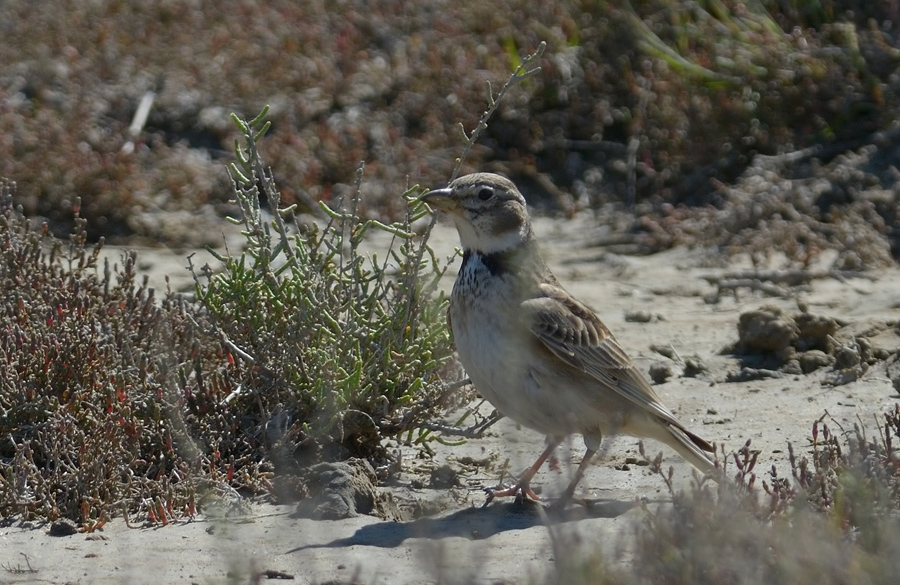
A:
[579,473]
[521,487]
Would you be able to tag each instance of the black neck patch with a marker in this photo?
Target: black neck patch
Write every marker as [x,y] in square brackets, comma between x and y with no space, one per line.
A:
[497,263]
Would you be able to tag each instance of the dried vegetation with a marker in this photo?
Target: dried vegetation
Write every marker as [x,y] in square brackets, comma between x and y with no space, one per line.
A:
[655,104]
[90,369]
[114,400]
[835,520]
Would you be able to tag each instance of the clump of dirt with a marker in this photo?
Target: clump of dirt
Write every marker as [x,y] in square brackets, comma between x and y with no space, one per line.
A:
[444,477]
[772,342]
[343,490]
[771,339]
[893,371]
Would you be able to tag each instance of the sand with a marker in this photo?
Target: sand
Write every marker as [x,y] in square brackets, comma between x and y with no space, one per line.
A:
[666,300]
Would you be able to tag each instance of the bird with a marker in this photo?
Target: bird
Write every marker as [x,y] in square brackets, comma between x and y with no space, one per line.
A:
[540,356]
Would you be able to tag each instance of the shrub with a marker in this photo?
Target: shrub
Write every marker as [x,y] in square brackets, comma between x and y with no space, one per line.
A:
[114,400]
[88,393]
[329,337]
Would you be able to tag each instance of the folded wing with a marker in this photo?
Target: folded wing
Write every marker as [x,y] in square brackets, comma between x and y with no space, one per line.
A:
[575,334]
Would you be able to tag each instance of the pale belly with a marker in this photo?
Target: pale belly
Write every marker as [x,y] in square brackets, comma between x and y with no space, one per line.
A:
[511,370]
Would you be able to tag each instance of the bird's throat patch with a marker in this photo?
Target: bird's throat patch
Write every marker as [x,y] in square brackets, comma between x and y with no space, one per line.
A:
[497,263]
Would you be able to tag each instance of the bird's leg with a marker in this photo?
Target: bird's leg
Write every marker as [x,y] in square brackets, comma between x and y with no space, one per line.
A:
[522,488]
[579,473]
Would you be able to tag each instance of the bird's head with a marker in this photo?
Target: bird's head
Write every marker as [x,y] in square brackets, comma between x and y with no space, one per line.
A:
[489,212]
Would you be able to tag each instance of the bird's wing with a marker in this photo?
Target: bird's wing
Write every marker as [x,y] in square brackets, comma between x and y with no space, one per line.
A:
[577,336]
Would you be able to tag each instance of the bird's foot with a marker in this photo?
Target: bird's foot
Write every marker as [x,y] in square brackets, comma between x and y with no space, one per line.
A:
[521,493]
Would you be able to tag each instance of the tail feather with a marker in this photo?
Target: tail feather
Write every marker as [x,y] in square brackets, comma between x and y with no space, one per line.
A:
[692,448]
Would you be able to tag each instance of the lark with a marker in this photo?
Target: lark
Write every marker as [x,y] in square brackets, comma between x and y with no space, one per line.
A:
[535,352]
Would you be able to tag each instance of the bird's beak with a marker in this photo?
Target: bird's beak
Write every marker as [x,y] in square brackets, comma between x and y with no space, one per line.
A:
[440,199]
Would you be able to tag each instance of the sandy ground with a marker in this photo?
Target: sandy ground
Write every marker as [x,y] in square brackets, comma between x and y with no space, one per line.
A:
[507,542]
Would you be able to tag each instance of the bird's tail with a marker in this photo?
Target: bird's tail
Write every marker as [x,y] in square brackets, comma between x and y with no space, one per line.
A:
[692,448]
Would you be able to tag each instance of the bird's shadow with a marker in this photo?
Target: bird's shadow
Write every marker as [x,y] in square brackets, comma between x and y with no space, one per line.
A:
[476,523]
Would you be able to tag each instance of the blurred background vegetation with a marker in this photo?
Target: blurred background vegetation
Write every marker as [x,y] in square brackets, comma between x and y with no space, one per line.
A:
[651,104]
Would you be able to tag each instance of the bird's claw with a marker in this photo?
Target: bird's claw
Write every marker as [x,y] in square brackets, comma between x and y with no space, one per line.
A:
[522,494]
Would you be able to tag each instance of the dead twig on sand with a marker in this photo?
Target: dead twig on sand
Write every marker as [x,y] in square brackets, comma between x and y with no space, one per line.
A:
[775,283]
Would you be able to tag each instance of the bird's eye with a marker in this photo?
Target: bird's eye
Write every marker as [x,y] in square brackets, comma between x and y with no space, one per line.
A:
[485,194]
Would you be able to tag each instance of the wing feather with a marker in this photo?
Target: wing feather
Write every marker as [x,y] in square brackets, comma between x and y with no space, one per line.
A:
[575,334]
